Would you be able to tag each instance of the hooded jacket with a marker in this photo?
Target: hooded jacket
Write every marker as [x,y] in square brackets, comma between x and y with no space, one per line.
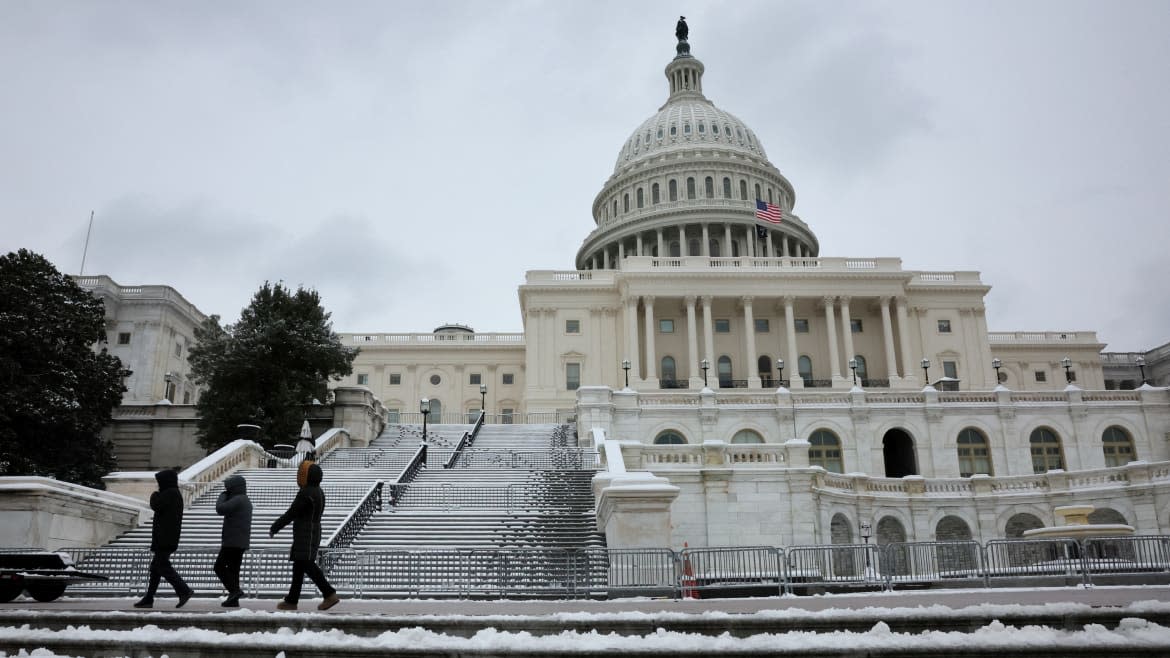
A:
[236,509]
[305,515]
[167,504]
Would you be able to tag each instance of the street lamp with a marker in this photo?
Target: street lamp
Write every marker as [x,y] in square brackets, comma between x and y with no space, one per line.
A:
[853,367]
[626,366]
[997,364]
[780,368]
[926,370]
[482,397]
[865,535]
[424,406]
[705,365]
[1067,363]
[1141,363]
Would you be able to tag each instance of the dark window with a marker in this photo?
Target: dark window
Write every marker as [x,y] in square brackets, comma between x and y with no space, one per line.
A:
[625,203]
[1118,446]
[693,246]
[572,326]
[669,438]
[855,326]
[668,370]
[950,369]
[672,189]
[363,379]
[1041,376]
[824,450]
[762,326]
[801,325]
[944,326]
[436,380]
[690,188]
[655,197]
[743,190]
[726,188]
[572,376]
[641,199]
[1046,452]
[395,379]
[709,184]
[475,379]
[722,326]
[124,338]
[804,368]
[974,456]
[508,378]
[666,326]
[758,196]
[725,375]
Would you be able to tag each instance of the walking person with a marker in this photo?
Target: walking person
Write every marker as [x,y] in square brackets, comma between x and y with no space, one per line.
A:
[235,507]
[305,515]
[167,504]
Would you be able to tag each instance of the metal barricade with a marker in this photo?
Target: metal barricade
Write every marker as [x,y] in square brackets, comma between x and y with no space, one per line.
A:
[1034,562]
[716,570]
[1132,560]
[833,566]
[126,568]
[621,572]
[937,563]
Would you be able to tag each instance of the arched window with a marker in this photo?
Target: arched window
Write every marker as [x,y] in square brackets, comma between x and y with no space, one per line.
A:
[625,203]
[824,450]
[673,130]
[672,188]
[655,197]
[674,249]
[702,127]
[659,132]
[641,198]
[1046,452]
[764,365]
[1015,526]
[804,368]
[694,246]
[713,246]
[687,128]
[1118,446]
[974,456]
[726,188]
[669,437]
[690,188]
[743,190]
[668,372]
[615,207]
[747,436]
[758,196]
[769,195]
[709,187]
[724,371]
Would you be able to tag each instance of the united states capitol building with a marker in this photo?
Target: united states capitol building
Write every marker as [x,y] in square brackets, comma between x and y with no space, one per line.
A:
[742,388]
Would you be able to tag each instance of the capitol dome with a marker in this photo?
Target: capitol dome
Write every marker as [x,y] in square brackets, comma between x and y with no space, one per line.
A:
[687,182]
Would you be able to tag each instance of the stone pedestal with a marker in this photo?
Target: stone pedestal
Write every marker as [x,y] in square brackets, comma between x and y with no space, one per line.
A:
[355,409]
[633,509]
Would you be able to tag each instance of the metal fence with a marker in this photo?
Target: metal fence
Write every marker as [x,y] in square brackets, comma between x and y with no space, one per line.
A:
[558,459]
[691,572]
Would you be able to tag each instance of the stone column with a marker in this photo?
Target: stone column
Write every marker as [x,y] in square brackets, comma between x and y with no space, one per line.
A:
[888,336]
[605,258]
[727,240]
[847,337]
[632,337]
[621,254]
[661,245]
[768,248]
[834,353]
[793,355]
[640,245]
[651,355]
[705,248]
[695,375]
[753,373]
[708,332]
[908,366]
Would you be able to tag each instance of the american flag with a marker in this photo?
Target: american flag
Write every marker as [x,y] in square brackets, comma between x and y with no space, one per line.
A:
[768,212]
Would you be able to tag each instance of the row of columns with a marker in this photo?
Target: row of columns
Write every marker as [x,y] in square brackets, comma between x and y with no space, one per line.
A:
[785,246]
[829,303]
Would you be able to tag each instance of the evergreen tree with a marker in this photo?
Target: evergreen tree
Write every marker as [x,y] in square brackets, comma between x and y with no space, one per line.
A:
[263,369]
[56,391]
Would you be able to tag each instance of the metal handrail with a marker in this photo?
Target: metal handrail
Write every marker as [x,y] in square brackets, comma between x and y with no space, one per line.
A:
[356,520]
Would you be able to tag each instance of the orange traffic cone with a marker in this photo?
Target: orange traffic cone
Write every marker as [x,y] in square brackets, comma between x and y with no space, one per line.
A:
[689,590]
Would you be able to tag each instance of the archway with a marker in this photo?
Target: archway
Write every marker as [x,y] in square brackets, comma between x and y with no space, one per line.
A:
[1018,523]
[898,454]
[891,531]
[841,532]
[1106,515]
[957,558]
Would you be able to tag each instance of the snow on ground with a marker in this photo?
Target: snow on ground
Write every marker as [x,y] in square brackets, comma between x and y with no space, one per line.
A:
[1132,633]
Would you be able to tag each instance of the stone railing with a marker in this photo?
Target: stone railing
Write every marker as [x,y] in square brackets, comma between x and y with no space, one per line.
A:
[445,340]
[584,277]
[706,264]
[1047,337]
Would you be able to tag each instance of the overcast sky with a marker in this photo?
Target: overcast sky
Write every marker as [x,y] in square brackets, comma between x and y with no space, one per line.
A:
[411,160]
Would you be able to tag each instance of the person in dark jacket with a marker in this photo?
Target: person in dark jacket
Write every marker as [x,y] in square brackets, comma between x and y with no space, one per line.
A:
[236,509]
[167,504]
[305,515]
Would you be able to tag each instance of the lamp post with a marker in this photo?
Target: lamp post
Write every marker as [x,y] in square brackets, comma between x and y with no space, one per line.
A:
[853,367]
[926,370]
[424,406]
[626,366]
[1067,363]
[780,368]
[997,364]
[483,397]
[705,365]
[865,534]
[1141,363]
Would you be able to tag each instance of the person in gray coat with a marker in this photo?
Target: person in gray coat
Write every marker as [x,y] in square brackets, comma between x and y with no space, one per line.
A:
[236,509]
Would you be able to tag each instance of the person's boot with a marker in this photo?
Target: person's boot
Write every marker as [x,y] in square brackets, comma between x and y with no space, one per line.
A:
[233,599]
[184,597]
[145,602]
[329,602]
[286,605]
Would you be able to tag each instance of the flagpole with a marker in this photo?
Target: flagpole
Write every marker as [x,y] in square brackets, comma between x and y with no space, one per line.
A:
[85,251]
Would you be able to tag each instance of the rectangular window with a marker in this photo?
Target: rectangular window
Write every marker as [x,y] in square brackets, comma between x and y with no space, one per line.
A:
[801,325]
[124,338]
[944,326]
[572,326]
[475,379]
[572,376]
[950,369]
[509,378]
[363,379]
[1041,376]
[762,326]
[395,379]
[506,416]
[178,348]
[855,326]
[186,397]
[392,415]
[722,326]
[666,326]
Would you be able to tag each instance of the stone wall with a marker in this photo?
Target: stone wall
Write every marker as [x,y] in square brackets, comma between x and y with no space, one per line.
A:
[46,514]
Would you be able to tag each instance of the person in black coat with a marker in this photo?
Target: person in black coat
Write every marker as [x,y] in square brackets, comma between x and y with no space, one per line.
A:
[167,504]
[305,515]
[235,507]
